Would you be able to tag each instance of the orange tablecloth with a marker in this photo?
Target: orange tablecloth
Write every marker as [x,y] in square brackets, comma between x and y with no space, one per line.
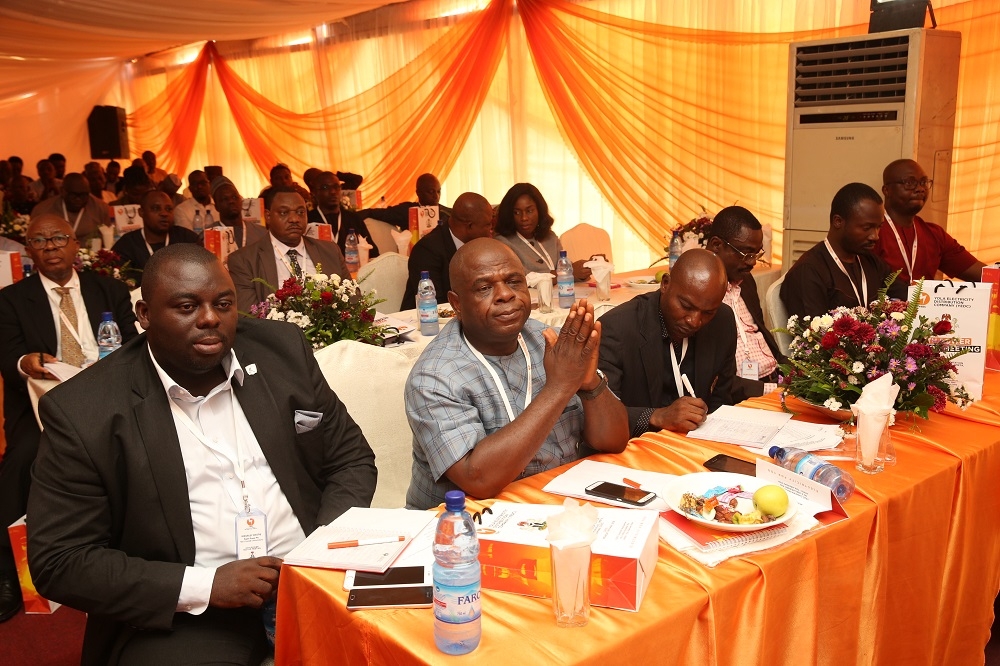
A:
[909,578]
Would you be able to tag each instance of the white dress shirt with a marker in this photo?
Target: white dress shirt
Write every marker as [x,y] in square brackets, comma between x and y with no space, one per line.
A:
[214,488]
[284,265]
[88,341]
[458,243]
[184,214]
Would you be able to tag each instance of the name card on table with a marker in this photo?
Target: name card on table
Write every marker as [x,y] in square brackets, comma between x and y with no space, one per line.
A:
[320,231]
[812,497]
[253,211]
[11,270]
[127,218]
[220,241]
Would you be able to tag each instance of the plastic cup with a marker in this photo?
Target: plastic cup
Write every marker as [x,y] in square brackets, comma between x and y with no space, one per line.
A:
[571,584]
[545,296]
[604,288]
[874,442]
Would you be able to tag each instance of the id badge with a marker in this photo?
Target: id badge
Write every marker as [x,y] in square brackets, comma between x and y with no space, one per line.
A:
[750,370]
[251,534]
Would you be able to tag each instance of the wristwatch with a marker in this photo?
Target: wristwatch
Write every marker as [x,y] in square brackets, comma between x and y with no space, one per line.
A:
[597,390]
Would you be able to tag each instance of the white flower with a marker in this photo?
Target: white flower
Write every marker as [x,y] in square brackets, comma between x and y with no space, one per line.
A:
[826,321]
[852,379]
[832,404]
[858,367]
[904,329]
[276,314]
[816,323]
[898,316]
[793,321]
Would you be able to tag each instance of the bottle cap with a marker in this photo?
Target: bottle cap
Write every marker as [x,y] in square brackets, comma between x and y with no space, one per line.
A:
[773,451]
[107,316]
[562,253]
[454,500]
[425,275]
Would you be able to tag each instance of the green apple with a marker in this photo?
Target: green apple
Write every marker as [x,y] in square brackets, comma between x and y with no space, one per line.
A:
[659,276]
[771,500]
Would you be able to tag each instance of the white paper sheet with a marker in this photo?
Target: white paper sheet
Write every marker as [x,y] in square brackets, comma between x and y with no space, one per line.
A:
[574,481]
[741,425]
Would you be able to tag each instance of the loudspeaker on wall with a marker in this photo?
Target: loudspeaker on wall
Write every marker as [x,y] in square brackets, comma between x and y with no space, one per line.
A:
[108,131]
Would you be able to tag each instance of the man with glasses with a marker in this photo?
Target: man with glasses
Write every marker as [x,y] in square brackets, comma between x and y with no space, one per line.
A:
[737,238]
[326,189]
[907,242]
[285,252]
[51,316]
[84,212]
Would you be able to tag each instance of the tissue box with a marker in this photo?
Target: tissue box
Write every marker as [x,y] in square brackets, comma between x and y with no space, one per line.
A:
[127,218]
[320,231]
[423,220]
[34,603]
[11,270]
[253,210]
[514,554]
[220,241]
[350,199]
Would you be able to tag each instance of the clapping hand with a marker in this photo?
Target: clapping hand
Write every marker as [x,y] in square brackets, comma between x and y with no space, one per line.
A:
[571,355]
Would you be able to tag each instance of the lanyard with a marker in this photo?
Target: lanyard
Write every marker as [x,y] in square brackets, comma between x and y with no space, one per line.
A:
[78,216]
[496,378]
[677,366]
[215,448]
[910,261]
[336,234]
[149,248]
[546,258]
[840,265]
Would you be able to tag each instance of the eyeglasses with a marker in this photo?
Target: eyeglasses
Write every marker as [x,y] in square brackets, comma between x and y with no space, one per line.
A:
[911,183]
[284,214]
[39,243]
[748,257]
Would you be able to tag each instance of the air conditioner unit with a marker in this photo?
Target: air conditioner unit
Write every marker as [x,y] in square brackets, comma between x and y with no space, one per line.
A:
[856,104]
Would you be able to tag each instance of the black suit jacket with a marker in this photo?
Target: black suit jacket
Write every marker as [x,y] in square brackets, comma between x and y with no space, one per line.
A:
[348,220]
[398,215]
[748,388]
[432,253]
[132,248]
[632,356]
[27,326]
[110,517]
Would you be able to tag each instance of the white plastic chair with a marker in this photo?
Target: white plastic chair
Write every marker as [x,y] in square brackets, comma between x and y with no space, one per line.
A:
[585,240]
[370,382]
[386,274]
[382,235]
[778,314]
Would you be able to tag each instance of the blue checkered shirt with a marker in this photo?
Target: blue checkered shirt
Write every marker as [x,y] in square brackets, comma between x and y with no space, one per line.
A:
[452,403]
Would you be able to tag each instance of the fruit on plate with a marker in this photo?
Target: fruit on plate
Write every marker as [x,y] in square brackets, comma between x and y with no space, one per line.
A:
[659,276]
[771,500]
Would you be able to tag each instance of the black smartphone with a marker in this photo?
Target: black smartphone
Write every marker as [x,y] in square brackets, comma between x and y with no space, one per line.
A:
[393,576]
[620,493]
[724,463]
[390,597]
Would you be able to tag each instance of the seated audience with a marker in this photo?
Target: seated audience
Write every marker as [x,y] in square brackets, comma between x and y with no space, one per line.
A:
[170,185]
[229,206]
[200,202]
[18,196]
[58,161]
[428,194]
[94,173]
[135,183]
[326,191]
[50,316]
[16,166]
[843,270]
[5,175]
[497,396]
[472,217]
[112,176]
[737,238]
[284,251]
[47,184]
[75,204]
[524,224]
[909,243]
[652,342]
[158,231]
[156,175]
[137,500]
[281,177]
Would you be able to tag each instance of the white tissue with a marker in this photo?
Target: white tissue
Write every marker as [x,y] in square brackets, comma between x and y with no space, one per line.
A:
[402,239]
[872,411]
[574,526]
[600,268]
[534,279]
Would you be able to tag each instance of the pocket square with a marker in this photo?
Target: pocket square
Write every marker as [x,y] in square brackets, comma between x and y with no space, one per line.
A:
[306,421]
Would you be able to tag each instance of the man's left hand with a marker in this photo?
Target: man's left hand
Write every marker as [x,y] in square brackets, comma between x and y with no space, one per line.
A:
[571,355]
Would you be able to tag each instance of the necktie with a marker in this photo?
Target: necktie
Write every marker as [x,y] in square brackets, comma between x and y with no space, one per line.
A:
[293,261]
[72,353]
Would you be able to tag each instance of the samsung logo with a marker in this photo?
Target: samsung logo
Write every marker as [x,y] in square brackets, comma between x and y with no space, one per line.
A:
[845,138]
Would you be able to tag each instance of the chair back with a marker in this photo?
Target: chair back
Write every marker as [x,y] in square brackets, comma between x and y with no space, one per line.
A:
[386,274]
[778,314]
[370,382]
[585,240]
[382,235]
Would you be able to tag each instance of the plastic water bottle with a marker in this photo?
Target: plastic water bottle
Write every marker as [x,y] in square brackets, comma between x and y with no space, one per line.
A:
[427,305]
[815,468]
[564,281]
[457,608]
[351,253]
[198,225]
[109,337]
[675,248]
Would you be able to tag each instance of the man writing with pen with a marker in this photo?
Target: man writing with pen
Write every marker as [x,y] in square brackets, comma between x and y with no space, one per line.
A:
[666,354]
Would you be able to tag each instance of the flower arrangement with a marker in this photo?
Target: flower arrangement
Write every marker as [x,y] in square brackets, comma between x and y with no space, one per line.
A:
[326,307]
[833,356]
[13,225]
[104,262]
[694,233]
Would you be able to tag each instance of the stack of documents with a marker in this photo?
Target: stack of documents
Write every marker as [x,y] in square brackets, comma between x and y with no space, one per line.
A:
[757,430]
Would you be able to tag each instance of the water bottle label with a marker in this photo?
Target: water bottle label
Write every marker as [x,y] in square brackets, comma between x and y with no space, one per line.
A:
[457,604]
[428,313]
[808,465]
[351,256]
[566,290]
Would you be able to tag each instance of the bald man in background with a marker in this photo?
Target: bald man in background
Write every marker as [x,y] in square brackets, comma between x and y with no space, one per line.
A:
[682,330]
[84,212]
[428,191]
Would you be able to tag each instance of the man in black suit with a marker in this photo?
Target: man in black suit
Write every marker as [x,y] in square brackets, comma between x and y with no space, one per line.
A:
[737,238]
[650,344]
[285,251]
[472,217]
[229,206]
[138,515]
[326,189]
[158,231]
[428,190]
[32,333]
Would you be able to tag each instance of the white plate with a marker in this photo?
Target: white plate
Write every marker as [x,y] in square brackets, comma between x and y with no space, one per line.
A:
[643,286]
[702,481]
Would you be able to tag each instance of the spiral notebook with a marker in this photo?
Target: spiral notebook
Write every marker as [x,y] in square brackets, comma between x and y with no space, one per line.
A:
[709,541]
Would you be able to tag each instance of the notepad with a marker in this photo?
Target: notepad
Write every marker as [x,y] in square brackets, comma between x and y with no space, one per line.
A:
[741,425]
[710,540]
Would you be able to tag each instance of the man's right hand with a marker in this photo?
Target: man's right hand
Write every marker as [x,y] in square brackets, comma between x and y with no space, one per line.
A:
[245,583]
[31,365]
[682,415]
[571,355]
